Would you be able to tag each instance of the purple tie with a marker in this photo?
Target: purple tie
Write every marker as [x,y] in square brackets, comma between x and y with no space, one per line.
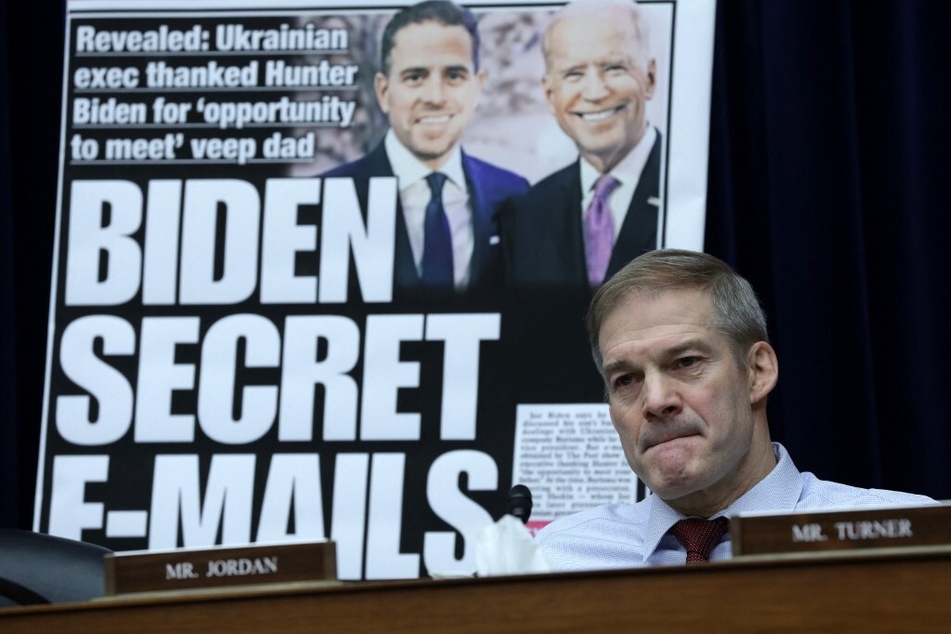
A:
[599,230]
[699,536]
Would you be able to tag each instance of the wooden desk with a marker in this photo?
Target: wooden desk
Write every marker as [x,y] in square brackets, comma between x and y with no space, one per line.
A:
[898,591]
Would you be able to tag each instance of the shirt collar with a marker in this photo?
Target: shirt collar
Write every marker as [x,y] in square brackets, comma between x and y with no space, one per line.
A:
[779,490]
[628,171]
[409,170]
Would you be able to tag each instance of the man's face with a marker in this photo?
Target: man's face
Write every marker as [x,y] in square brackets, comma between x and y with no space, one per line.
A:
[431,89]
[681,405]
[597,86]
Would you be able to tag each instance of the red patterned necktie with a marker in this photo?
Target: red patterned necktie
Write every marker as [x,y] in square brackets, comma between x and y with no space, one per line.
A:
[699,536]
[599,230]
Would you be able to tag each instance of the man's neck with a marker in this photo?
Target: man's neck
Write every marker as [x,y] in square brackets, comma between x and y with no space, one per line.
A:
[604,162]
[708,502]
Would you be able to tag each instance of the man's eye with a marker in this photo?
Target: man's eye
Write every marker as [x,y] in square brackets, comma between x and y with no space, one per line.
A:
[457,75]
[413,78]
[686,362]
[624,380]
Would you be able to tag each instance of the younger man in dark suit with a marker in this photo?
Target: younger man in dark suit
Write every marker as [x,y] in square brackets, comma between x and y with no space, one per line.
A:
[583,223]
[446,234]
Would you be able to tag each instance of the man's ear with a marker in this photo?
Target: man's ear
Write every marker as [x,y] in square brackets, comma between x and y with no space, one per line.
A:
[651,78]
[548,87]
[480,79]
[381,85]
[763,370]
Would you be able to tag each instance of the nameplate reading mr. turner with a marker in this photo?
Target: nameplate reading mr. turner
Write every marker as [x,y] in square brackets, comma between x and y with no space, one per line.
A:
[219,566]
[841,530]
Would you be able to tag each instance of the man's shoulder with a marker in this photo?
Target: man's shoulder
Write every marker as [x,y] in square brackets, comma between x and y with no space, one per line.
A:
[608,536]
[568,176]
[594,520]
[498,181]
[555,191]
[373,163]
[825,494]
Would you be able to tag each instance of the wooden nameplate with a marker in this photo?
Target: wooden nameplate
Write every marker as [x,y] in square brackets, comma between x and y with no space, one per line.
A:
[758,534]
[219,566]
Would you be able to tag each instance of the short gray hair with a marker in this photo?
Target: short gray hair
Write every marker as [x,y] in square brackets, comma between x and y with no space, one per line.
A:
[572,9]
[737,313]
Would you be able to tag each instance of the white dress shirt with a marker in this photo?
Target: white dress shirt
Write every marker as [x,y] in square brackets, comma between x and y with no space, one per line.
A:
[628,174]
[415,194]
[634,535]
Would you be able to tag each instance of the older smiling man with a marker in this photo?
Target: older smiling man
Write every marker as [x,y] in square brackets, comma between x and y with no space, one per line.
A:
[581,224]
[680,341]
[428,86]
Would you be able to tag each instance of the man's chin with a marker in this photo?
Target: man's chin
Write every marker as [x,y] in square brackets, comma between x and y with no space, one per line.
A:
[672,489]
[601,150]
[428,152]
[670,474]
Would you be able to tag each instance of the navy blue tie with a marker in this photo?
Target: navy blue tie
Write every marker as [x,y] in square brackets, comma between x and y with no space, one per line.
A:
[437,242]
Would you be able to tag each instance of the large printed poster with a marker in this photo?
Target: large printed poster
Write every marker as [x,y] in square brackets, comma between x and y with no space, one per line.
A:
[271,322]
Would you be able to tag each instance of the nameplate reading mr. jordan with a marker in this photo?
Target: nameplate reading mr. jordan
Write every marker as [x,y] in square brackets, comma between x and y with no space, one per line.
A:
[218,567]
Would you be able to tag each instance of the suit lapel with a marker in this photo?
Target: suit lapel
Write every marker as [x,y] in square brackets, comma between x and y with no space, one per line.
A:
[482,222]
[577,266]
[404,266]
[639,232]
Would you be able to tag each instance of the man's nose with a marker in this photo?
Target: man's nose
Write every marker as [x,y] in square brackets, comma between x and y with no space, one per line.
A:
[661,398]
[594,87]
[433,89]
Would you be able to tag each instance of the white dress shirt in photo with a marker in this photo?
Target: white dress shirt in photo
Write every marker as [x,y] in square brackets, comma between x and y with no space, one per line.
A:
[415,195]
[627,172]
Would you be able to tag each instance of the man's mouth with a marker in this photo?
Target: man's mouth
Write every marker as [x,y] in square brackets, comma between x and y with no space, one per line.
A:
[434,119]
[658,437]
[593,117]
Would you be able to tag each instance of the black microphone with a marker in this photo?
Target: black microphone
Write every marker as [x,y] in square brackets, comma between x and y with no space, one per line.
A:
[520,502]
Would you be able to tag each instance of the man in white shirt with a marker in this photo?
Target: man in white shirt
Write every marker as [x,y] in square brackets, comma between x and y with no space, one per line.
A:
[680,341]
[581,224]
[428,86]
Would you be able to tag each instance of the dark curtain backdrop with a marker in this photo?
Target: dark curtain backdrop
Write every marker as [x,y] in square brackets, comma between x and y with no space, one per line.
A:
[8,425]
[829,142]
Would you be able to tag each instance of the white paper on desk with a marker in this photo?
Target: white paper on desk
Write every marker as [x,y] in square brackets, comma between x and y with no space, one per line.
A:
[507,548]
